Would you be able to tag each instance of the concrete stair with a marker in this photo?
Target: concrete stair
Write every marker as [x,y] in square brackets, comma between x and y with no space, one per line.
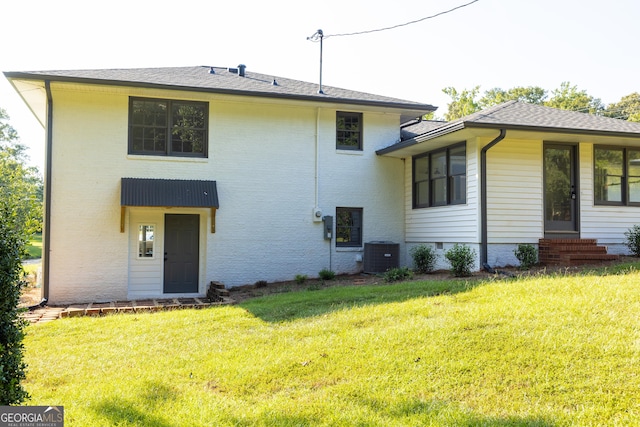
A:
[571,252]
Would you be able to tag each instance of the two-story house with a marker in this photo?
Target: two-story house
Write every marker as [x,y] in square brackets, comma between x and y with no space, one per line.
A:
[159,181]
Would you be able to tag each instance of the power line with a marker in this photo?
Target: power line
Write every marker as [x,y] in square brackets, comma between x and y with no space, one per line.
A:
[401,25]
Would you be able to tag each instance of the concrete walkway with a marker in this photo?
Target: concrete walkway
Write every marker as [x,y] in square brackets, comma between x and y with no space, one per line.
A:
[49,313]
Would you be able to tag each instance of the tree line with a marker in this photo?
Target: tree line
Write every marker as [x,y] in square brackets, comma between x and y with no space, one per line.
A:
[566,97]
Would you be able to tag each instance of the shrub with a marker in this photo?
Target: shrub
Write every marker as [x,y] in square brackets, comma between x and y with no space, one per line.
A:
[326,274]
[461,258]
[527,255]
[424,258]
[301,278]
[12,368]
[261,284]
[397,274]
[633,239]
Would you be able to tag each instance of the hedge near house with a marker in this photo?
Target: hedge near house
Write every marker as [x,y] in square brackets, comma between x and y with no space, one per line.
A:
[12,326]
[20,215]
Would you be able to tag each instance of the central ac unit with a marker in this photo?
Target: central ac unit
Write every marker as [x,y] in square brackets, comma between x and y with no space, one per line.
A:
[380,256]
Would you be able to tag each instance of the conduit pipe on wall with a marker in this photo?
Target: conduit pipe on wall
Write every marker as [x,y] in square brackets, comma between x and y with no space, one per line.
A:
[317,172]
[483,200]
[46,241]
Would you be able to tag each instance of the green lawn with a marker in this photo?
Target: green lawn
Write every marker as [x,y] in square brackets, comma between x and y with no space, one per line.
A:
[34,247]
[561,351]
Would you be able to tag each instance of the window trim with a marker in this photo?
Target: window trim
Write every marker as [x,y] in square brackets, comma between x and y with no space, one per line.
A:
[350,244]
[169,119]
[624,178]
[153,240]
[360,130]
[448,179]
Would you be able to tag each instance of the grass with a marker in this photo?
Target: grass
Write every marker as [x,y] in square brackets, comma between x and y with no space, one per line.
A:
[34,247]
[541,351]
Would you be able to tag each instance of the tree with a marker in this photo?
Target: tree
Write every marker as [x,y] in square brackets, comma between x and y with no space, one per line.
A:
[431,115]
[467,102]
[530,94]
[19,213]
[628,108]
[568,97]
[20,185]
[462,103]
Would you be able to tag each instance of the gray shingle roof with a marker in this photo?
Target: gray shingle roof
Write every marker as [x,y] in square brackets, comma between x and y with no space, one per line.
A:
[517,115]
[221,80]
[514,114]
[419,128]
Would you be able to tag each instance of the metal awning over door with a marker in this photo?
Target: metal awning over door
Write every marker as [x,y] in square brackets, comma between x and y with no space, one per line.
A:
[168,193]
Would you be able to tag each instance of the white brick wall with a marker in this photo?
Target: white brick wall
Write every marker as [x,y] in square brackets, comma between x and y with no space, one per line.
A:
[262,155]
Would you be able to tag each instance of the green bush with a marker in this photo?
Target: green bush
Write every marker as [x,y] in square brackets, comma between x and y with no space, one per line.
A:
[326,274]
[527,255]
[633,240]
[301,278]
[397,274]
[462,259]
[424,258]
[12,368]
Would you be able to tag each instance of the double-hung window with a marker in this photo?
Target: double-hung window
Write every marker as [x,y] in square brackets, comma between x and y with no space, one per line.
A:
[348,227]
[440,177]
[165,127]
[348,131]
[616,176]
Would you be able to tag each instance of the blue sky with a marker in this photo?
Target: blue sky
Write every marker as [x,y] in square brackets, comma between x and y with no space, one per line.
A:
[491,43]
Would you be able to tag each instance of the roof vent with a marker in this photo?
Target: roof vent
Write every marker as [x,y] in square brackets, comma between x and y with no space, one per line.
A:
[274,82]
[241,69]
[212,71]
[232,70]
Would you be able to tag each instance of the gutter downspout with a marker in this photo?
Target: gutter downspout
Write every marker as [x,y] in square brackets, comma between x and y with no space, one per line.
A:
[46,242]
[483,202]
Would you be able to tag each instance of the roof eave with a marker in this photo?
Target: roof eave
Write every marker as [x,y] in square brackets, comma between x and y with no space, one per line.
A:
[441,131]
[419,109]
[458,126]
[551,129]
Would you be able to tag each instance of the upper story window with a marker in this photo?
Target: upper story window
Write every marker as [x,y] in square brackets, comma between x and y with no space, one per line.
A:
[616,176]
[440,177]
[163,127]
[348,227]
[348,131]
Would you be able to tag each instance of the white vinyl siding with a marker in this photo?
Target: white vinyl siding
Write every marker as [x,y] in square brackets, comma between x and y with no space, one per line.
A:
[514,214]
[453,223]
[146,275]
[514,196]
[605,223]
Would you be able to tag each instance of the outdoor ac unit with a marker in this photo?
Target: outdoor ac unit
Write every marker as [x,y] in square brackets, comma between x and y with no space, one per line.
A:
[380,256]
